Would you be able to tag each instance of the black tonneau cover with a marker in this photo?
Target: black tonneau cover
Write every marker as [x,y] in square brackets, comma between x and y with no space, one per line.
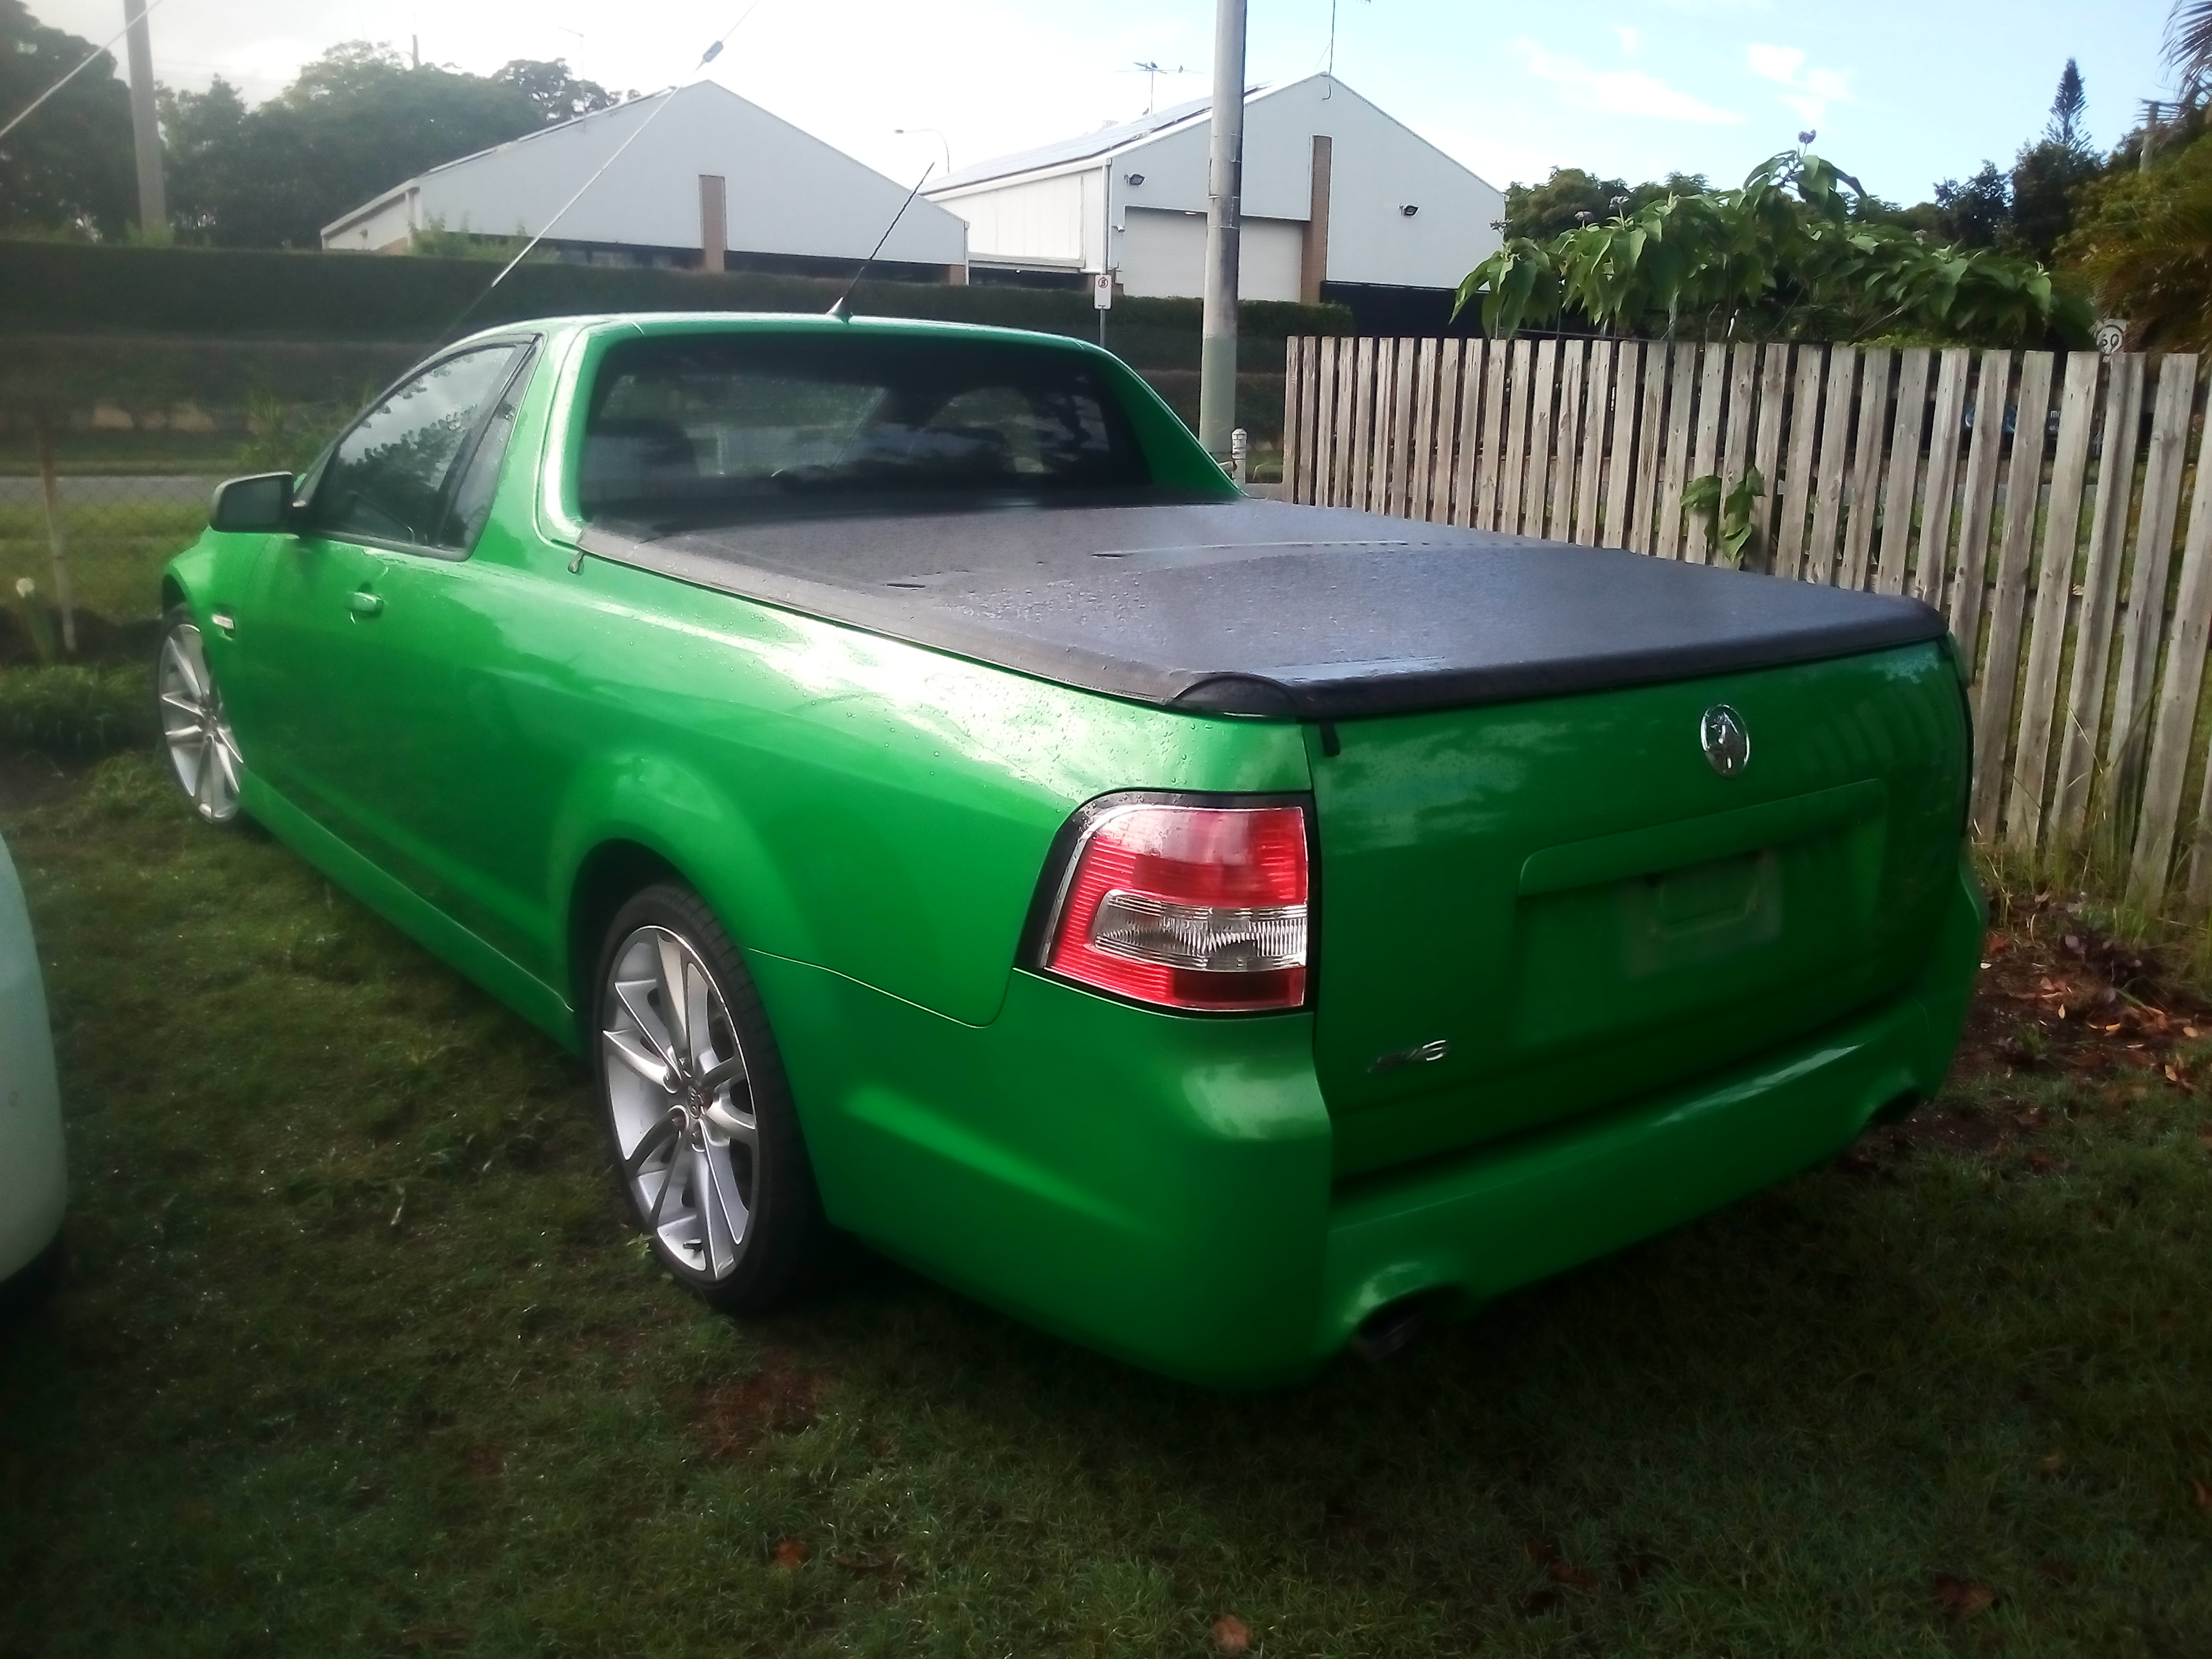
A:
[1256,607]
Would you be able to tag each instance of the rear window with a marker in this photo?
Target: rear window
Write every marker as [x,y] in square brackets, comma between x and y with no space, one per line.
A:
[701,430]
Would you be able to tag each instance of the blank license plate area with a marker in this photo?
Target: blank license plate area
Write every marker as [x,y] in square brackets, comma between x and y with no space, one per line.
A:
[1619,956]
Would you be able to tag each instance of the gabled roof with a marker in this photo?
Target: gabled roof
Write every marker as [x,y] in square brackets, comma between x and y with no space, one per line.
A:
[629,105]
[1104,141]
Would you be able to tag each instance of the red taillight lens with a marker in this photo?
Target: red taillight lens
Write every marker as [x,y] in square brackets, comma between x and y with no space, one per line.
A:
[1188,907]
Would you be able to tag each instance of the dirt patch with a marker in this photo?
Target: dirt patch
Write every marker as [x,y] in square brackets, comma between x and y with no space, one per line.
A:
[2056,995]
[2056,998]
[732,1419]
[30,778]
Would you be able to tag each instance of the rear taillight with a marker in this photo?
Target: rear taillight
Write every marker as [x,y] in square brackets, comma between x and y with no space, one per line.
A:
[1187,907]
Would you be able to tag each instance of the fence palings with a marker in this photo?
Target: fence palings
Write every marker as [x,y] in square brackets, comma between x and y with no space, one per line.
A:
[1820,552]
[1558,517]
[1927,585]
[1705,448]
[1978,502]
[2152,558]
[2007,600]
[2175,722]
[2101,584]
[1797,491]
[1904,469]
[1597,405]
[1497,357]
[2062,530]
[1862,497]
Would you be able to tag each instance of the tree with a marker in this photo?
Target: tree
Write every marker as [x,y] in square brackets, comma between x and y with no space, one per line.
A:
[1571,196]
[355,122]
[2065,128]
[559,95]
[1977,213]
[2045,182]
[69,168]
[2143,241]
[1782,258]
[2188,39]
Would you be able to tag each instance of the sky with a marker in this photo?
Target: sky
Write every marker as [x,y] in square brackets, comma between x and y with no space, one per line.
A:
[1901,92]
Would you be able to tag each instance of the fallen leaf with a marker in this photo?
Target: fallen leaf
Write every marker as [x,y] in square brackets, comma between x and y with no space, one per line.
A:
[2203,1494]
[791,1555]
[861,1563]
[2054,1463]
[1961,1597]
[1542,1553]
[2056,1571]
[1569,1574]
[1541,1602]
[2189,1030]
[1231,1634]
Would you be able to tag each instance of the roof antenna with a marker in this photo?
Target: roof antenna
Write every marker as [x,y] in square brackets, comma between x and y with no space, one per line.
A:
[636,133]
[842,310]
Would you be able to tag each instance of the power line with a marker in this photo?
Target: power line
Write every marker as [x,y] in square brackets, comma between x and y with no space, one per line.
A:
[31,108]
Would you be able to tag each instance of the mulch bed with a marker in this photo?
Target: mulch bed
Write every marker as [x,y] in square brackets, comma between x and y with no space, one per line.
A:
[2057,998]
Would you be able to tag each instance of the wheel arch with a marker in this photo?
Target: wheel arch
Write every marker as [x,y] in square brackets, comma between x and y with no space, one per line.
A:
[648,818]
[606,878]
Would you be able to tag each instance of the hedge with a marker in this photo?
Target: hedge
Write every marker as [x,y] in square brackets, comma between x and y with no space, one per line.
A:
[64,288]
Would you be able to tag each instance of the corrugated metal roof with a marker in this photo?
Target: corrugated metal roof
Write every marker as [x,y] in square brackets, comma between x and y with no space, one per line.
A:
[1103,141]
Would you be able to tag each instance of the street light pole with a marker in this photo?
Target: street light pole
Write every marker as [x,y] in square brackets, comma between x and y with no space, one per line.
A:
[1216,367]
[145,129]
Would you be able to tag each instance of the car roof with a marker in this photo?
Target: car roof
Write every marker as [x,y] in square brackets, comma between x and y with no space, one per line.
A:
[651,323]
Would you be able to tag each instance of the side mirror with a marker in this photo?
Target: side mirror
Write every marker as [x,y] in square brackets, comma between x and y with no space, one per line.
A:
[261,503]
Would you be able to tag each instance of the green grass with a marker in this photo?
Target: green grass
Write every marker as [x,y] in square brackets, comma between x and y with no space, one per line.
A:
[74,711]
[356,1357]
[116,552]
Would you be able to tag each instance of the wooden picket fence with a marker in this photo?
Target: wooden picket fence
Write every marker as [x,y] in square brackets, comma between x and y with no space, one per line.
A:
[1975,481]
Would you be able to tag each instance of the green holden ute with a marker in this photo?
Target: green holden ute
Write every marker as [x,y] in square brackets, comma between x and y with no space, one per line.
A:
[942,807]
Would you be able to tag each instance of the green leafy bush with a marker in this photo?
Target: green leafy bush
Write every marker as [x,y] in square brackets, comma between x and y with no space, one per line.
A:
[1786,257]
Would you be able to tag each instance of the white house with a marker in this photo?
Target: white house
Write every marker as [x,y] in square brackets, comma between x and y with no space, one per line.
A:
[1335,192]
[708,180]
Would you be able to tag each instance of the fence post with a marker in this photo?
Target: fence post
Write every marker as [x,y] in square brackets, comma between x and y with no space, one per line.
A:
[57,542]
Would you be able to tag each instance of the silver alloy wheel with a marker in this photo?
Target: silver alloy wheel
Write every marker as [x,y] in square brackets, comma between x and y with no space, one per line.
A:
[681,1102]
[202,751]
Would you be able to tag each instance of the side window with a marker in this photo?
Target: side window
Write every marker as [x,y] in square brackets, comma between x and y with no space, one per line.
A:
[387,479]
[471,503]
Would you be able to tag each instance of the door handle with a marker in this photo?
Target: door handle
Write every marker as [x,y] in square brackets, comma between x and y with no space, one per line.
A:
[364,604]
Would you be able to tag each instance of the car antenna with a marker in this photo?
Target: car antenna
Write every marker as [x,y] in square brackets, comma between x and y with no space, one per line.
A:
[842,310]
[713,52]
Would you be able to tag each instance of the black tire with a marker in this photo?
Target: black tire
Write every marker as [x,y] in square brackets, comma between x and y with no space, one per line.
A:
[785,1237]
[212,788]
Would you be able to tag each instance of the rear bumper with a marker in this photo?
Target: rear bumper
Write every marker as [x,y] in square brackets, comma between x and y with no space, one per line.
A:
[1160,1189]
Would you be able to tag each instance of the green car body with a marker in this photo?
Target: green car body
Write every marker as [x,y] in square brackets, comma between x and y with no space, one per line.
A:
[1570,984]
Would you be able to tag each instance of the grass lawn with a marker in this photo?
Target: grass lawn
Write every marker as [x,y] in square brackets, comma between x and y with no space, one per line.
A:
[355,1358]
[116,549]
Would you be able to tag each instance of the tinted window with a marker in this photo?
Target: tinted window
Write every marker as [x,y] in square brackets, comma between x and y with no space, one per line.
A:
[386,481]
[720,428]
[472,502]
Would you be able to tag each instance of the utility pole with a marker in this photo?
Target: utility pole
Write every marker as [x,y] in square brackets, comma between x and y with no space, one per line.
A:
[1224,188]
[145,127]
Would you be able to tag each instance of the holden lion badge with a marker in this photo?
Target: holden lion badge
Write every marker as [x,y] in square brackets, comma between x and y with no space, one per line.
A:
[1726,739]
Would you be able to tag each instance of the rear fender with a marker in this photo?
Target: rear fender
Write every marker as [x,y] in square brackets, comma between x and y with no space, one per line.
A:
[653,801]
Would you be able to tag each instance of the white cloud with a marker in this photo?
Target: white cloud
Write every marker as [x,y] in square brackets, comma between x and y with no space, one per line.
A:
[1619,92]
[1630,40]
[1810,90]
